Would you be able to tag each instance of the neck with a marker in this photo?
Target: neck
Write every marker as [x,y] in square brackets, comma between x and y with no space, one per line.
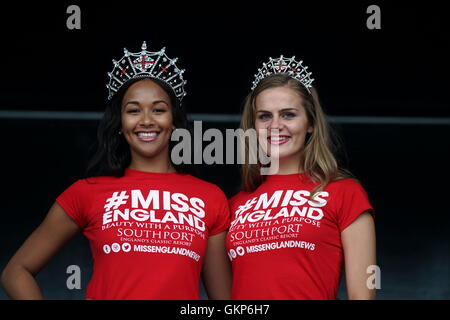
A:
[289,165]
[158,164]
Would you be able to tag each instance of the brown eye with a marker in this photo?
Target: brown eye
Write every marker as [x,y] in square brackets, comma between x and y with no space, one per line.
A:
[134,110]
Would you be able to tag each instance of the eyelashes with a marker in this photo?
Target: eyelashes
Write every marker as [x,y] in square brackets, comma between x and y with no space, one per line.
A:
[156,110]
[285,115]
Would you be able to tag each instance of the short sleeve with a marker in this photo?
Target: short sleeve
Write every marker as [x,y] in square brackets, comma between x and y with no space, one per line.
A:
[221,214]
[72,201]
[354,201]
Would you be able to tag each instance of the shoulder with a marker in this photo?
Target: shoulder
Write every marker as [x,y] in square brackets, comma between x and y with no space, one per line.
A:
[237,197]
[347,191]
[78,189]
[90,183]
[100,180]
[343,185]
[79,184]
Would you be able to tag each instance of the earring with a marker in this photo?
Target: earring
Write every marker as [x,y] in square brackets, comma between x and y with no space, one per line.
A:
[120,132]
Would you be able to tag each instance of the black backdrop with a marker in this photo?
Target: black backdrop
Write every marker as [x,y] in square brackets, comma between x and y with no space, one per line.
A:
[398,72]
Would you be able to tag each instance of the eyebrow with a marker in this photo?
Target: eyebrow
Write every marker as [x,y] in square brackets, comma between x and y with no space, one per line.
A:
[284,109]
[154,102]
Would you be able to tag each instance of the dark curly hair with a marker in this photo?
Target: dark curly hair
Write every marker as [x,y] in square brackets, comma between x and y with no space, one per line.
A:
[113,153]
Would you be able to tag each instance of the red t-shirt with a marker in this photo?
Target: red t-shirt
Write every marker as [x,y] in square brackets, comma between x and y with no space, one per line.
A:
[147,232]
[283,246]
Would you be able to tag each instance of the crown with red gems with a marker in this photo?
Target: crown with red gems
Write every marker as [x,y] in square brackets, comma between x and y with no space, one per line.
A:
[285,65]
[146,64]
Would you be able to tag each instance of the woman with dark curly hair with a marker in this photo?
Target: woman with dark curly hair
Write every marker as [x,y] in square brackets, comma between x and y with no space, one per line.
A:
[152,227]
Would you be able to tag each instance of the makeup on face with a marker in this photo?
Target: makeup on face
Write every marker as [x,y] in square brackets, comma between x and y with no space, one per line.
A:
[147,122]
[281,119]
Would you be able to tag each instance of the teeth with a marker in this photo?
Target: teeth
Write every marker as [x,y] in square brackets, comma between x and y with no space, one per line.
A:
[277,138]
[146,134]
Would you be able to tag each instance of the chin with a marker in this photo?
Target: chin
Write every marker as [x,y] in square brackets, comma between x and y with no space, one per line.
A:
[149,153]
[285,153]
[288,156]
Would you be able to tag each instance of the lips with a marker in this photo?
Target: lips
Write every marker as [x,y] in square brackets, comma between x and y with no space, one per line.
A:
[147,136]
[278,139]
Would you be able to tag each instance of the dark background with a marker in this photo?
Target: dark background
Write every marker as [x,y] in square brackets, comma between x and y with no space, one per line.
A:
[400,72]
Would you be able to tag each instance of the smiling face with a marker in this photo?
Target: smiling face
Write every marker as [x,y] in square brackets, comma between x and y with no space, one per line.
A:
[147,121]
[281,120]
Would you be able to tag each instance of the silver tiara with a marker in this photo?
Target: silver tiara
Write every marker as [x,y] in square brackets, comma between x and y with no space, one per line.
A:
[285,65]
[146,64]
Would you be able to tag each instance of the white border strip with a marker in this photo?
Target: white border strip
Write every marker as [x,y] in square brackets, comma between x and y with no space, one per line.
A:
[218,118]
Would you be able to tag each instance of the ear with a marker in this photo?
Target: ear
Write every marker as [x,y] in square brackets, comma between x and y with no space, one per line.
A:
[310,129]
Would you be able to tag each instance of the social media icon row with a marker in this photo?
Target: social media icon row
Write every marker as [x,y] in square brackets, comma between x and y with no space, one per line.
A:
[115,247]
[232,254]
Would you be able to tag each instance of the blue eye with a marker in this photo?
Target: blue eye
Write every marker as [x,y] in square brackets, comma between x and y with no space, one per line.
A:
[288,115]
[264,116]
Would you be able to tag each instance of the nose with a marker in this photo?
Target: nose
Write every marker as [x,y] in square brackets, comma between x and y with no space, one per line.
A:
[146,119]
[275,124]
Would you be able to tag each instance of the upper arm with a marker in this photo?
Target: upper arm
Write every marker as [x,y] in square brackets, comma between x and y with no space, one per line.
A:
[215,251]
[216,268]
[359,245]
[56,229]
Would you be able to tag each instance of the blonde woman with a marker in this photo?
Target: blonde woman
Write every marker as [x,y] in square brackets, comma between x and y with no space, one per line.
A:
[293,232]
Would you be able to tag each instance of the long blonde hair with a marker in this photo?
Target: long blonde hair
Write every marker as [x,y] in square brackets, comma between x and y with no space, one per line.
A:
[318,160]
